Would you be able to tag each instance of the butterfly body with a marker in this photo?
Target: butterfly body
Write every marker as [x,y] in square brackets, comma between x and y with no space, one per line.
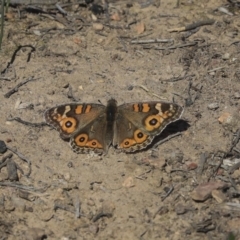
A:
[94,127]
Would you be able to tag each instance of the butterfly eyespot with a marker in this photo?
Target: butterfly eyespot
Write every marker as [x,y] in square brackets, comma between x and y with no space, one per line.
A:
[140,135]
[153,122]
[68,124]
[126,143]
[94,143]
[81,139]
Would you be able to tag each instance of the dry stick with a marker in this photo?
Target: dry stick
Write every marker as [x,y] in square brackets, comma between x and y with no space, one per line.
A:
[15,89]
[175,79]
[176,46]
[157,40]
[24,159]
[15,54]
[60,9]
[20,186]
[215,69]
[34,2]
[27,123]
[192,26]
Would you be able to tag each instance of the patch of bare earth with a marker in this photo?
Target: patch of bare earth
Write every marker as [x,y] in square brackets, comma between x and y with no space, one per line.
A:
[185,188]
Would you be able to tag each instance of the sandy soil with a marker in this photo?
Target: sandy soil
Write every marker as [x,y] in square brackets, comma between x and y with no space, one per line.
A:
[153,194]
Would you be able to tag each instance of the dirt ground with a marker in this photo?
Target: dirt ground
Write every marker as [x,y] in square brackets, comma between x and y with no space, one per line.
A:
[184,188]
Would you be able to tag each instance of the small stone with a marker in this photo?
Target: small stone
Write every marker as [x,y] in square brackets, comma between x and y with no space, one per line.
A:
[213,106]
[98,26]
[115,17]
[226,56]
[180,209]
[93,228]
[203,191]
[128,182]
[3,147]
[230,121]
[67,176]
[224,118]
[237,95]
[192,166]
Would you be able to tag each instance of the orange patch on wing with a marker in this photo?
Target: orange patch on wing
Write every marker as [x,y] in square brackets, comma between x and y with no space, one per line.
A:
[88,108]
[146,107]
[135,107]
[78,109]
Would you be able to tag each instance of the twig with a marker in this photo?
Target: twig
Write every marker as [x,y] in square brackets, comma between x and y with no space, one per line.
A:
[100,215]
[215,69]
[23,158]
[15,89]
[27,123]
[20,186]
[61,9]
[192,26]
[157,40]
[15,53]
[35,2]
[177,46]
[175,79]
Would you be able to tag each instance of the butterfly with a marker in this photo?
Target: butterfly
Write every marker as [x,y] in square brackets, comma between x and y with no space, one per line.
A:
[92,127]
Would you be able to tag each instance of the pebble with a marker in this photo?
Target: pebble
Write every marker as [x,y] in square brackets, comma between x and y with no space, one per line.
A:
[226,56]
[237,95]
[3,147]
[98,26]
[213,106]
